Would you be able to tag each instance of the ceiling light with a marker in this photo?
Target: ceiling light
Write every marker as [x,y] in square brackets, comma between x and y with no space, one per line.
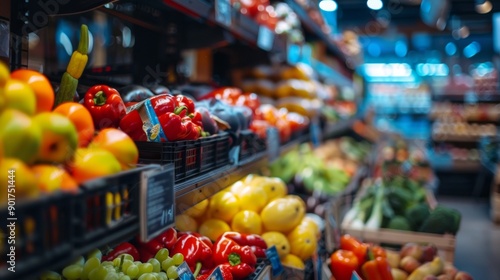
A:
[328,5]
[375,4]
[483,6]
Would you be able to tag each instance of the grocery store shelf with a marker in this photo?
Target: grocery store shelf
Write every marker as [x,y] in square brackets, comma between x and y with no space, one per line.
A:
[467,98]
[457,139]
[458,166]
[242,27]
[315,29]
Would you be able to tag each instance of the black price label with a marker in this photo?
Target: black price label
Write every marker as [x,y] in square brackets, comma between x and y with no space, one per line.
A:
[184,272]
[223,12]
[274,258]
[265,39]
[273,143]
[157,207]
[355,276]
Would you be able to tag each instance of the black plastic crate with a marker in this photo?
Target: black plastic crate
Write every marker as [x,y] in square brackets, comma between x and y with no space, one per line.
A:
[262,270]
[108,209]
[259,145]
[246,142]
[222,147]
[184,154]
[191,158]
[43,234]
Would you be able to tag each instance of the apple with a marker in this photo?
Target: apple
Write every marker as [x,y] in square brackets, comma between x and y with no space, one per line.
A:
[462,275]
[429,252]
[59,138]
[412,249]
[398,274]
[92,163]
[444,277]
[409,264]
[450,270]
[119,144]
[19,95]
[20,134]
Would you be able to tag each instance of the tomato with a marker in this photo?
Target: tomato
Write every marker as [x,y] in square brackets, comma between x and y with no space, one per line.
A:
[81,119]
[41,86]
[251,100]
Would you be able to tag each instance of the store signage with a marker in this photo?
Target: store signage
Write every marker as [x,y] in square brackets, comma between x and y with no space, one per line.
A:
[157,201]
[223,12]
[265,39]
[184,272]
[273,143]
[274,258]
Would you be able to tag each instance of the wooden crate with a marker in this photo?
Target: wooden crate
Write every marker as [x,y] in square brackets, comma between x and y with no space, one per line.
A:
[444,243]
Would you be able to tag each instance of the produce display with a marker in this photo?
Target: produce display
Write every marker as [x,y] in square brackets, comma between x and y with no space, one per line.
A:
[462,130]
[234,253]
[54,149]
[399,204]
[412,262]
[257,205]
[298,89]
[449,112]
[325,170]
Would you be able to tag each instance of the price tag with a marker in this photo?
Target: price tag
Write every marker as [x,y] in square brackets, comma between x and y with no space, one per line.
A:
[216,274]
[273,143]
[470,97]
[184,272]
[265,39]
[223,12]
[274,258]
[355,276]
[157,202]
[315,134]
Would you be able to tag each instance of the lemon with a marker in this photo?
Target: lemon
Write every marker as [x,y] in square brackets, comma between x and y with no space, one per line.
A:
[184,222]
[278,239]
[213,228]
[237,186]
[4,74]
[283,214]
[247,222]
[224,205]
[274,187]
[293,261]
[197,210]
[252,198]
[303,242]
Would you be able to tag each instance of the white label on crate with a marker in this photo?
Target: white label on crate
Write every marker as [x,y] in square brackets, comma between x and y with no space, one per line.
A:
[157,201]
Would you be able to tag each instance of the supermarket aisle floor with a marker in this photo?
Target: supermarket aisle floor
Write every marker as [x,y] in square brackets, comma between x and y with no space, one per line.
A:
[478,242]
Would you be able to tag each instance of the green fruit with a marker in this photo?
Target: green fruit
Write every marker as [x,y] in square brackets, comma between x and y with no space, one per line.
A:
[59,137]
[21,136]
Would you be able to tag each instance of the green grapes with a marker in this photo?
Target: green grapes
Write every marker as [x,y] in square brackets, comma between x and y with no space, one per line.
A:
[132,271]
[156,265]
[167,263]
[178,259]
[127,256]
[50,275]
[162,254]
[72,272]
[172,272]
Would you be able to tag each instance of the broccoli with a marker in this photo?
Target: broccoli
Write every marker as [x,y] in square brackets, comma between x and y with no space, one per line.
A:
[399,223]
[417,214]
[442,220]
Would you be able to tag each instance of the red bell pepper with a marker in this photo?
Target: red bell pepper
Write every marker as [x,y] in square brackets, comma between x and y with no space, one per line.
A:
[225,270]
[203,238]
[256,243]
[377,269]
[196,253]
[168,238]
[105,106]
[185,101]
[122,248]
[342,264]
[352,244]
[149,249]
[241,259]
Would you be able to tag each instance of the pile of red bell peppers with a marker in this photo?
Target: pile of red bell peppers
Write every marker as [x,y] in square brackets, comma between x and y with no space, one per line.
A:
[163,118]
[234,253]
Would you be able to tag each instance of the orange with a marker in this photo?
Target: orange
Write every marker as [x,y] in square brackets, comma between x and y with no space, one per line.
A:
[81,119]
[119,144]
[41,86]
